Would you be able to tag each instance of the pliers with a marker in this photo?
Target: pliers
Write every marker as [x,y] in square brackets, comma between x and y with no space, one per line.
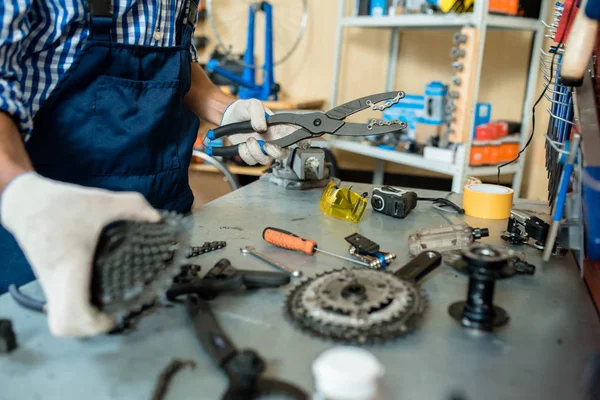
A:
[316,124]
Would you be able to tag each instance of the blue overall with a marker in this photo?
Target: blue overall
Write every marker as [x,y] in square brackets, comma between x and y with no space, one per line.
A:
[116,121]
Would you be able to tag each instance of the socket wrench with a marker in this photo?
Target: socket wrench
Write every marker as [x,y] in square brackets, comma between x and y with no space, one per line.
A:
[270,261]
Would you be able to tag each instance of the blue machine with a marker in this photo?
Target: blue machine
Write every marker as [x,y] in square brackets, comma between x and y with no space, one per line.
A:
[267,90]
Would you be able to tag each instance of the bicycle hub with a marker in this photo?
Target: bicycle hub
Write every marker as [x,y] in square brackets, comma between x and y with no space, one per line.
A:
[485,265]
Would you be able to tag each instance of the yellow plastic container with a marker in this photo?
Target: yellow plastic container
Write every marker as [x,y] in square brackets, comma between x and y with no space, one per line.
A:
[342,203]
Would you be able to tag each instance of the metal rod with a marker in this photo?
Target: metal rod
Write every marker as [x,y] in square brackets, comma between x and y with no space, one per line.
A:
[342,257]
[559,118]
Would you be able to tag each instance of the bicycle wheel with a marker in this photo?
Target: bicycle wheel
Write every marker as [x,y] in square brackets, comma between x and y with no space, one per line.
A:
[229,22]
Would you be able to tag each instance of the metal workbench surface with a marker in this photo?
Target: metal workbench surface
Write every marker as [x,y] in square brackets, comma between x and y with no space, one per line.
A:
[541,354]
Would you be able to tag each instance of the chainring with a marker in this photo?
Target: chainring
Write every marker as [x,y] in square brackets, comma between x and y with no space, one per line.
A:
[356,306]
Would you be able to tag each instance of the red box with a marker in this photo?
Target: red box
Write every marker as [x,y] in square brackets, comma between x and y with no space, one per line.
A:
[491,131]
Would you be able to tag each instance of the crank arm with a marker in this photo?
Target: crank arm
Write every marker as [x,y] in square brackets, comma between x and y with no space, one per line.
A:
[205,288]
[209,332]
[420,266]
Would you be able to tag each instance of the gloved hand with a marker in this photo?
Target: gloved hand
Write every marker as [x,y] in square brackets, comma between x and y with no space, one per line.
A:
[254,111]
[57,225]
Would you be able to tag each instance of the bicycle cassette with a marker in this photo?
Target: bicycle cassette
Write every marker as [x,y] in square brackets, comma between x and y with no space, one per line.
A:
[362,306]
[135,262]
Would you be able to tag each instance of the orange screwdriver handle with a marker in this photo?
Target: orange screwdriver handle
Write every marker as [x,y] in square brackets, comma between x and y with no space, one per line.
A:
[288,240]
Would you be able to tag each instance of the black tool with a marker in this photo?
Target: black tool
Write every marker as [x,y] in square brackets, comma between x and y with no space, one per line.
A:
[8,339]
[243,367]
[523,226]
[317,124]
[367,251]
[485,265]
[514,266]
[224,277]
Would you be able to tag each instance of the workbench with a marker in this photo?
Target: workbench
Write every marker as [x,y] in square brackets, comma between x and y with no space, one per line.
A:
[541,354]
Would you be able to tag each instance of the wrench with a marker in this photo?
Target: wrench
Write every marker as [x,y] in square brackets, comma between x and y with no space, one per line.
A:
[270,261]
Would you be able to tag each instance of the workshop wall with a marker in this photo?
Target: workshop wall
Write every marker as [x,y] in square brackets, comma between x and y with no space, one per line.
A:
[423,56]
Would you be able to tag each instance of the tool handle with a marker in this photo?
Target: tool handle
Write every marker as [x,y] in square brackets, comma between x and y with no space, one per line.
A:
[222,151]
[579,48]
[230,129]
[230,151]
[288,240]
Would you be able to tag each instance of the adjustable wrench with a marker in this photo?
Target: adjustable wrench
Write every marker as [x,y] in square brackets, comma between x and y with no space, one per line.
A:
[270,261]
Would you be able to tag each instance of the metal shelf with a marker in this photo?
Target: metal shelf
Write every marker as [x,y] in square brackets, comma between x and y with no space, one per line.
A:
[440,21]
[412,160]
[417,161]
[481,19]
[492,170]
[409,21]
[516,23]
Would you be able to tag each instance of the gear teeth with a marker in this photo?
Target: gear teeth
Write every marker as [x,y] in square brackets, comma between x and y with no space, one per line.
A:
[132,272]
[398,324]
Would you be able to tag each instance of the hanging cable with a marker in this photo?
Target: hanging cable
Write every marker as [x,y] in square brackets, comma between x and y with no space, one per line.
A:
[560,42]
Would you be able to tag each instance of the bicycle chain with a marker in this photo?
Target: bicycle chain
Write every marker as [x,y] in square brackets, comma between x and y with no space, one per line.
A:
[384,107]
[207,247]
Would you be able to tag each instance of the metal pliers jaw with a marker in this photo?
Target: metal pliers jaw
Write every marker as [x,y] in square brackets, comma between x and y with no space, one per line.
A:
[316,124]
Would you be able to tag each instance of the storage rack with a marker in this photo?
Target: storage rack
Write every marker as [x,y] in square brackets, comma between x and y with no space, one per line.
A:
[480,19]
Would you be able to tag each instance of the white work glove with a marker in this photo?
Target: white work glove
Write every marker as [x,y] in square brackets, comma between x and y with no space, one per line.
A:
[57,225]
[254,111]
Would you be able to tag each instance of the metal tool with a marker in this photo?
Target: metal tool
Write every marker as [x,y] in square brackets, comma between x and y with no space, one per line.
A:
[362,306]
[444,238]
[317,124]
[290,241]
[302,169]
[368,251]
[243,367]
[270,261]
[485,265]
[516,265]
[224,277]
[523,226]
[8,339]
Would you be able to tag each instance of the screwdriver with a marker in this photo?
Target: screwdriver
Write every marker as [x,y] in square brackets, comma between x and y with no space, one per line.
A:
[290,241]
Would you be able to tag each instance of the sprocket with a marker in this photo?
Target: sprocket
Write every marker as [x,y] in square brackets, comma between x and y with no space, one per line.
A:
[356,306]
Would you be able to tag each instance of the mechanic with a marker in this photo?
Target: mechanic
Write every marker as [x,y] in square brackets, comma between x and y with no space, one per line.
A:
[98,117]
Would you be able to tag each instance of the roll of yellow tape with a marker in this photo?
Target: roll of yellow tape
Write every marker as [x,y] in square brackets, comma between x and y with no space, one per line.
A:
[487,201]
